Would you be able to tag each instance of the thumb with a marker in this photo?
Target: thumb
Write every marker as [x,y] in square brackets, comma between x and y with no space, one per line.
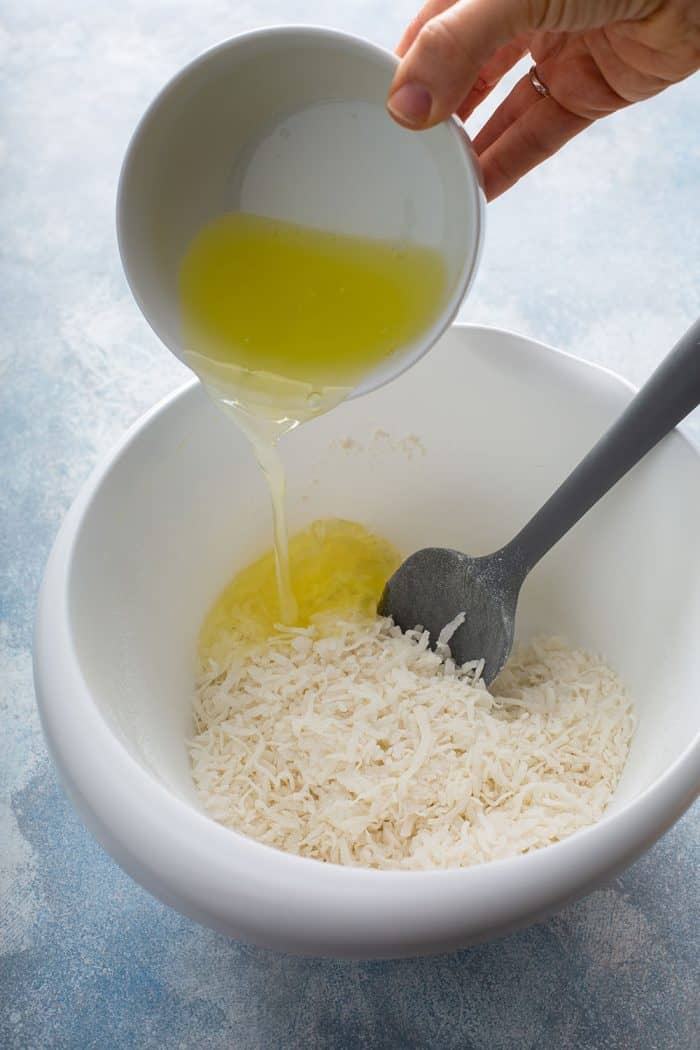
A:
[450,42]
[443,62]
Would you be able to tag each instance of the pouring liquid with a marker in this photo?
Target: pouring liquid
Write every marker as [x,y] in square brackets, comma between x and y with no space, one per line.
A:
[282,321]
[270,462]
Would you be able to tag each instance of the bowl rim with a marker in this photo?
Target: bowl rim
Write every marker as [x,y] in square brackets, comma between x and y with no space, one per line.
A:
[464,151]
[184,857]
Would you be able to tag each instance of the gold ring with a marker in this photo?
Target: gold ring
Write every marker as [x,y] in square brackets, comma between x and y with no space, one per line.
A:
[538,85]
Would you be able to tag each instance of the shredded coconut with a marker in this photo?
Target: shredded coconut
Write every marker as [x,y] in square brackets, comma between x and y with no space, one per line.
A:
[450,629]
[355,743]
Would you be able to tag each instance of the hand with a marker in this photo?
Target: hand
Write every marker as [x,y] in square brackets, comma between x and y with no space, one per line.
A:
[593,56]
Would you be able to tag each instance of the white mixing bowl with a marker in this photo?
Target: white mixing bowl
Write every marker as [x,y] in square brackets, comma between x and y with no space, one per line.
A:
[180,505]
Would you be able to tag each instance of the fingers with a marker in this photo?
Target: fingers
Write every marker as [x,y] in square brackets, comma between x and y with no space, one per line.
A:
[521,140]
[428,11]
[522,96]
[491,73]
[447,52]
[447,44]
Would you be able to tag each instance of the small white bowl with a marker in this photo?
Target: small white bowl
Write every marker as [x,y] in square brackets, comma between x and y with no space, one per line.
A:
[290,123]
[180,505]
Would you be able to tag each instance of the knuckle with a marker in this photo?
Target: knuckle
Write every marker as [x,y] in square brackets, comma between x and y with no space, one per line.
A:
[414,26]
[532,141]
[501,173]
[546,14]
[438,40]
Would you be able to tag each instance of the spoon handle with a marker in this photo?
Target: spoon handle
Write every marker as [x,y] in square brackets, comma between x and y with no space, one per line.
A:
[666,398]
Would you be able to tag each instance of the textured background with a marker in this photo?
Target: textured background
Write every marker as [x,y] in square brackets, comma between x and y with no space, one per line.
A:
[599,253]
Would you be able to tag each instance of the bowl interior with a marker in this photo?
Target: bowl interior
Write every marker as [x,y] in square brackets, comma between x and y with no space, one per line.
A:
[458,452]
[290,123]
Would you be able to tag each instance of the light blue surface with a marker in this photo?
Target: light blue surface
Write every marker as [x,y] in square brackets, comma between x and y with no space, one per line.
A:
[599,253]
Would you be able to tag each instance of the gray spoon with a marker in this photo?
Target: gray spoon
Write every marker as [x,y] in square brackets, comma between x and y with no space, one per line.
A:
[435,585]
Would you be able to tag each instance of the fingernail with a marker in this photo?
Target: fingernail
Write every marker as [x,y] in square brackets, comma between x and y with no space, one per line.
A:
[411,104]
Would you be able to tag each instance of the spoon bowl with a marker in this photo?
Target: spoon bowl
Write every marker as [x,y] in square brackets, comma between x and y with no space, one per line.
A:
[484,589]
